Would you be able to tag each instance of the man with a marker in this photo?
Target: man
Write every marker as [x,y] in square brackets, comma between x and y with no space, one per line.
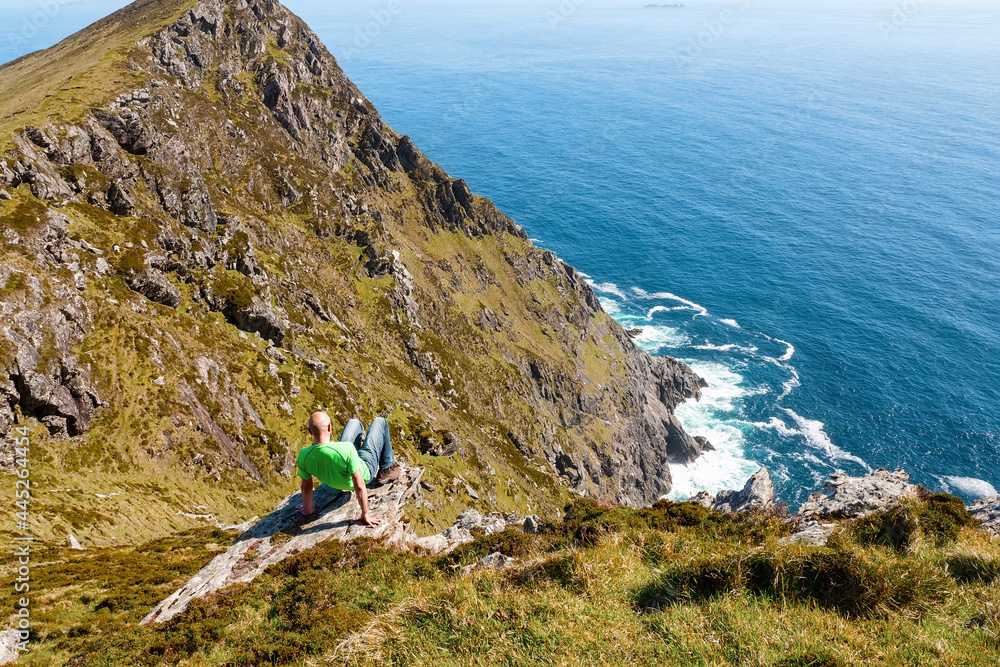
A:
[344,465]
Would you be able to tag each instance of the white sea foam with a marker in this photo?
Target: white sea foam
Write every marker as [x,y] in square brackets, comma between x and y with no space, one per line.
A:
[720,348]
[585,276]
[610,306]
[727,467]
[815,436]
[690,305]
[713,471]
[654,338]
[789,351]
[725,348]
[662,309]
[788,385]
[731,323]
[657,309]
[608,288]
[969,486]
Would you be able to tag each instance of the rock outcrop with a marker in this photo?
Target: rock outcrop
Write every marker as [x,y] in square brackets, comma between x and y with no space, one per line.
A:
[153,285]
[757,494]
[987,510]
[285,532]
[468,521]
[9,640]
[845,497]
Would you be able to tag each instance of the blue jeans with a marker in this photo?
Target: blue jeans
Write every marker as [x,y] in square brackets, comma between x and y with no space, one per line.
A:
[375,451]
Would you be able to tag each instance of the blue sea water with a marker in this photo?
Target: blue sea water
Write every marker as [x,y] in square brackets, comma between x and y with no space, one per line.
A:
[799,199]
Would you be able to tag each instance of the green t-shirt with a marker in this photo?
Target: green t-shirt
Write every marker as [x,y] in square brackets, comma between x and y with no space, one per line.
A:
[333,464]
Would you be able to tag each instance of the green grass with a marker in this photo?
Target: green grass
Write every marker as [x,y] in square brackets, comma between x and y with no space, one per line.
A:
[681,593]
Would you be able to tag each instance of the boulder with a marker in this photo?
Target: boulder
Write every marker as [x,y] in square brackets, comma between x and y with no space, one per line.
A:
[815,534]
[468,521]
[757,493]
[845,497]
[260,318]
[495,561]
[987,510]
[153,285]
[8,646]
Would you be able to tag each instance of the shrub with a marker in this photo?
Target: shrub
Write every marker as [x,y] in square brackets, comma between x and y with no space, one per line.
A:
[511,542]
[943,516]
[939,517]
[894,528]
[841,581]
[968,569]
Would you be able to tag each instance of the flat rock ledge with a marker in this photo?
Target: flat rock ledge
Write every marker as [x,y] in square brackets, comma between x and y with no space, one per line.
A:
[285,532]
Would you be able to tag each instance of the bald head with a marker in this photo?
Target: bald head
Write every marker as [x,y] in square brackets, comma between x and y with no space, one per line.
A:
[320,425]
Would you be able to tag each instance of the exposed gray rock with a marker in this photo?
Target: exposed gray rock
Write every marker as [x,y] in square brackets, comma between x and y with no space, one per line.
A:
[155,286]
[987,510]
[120,202]
[462,531]
[259,547]
[488,319]
[261,318]
[447,446]
[843,496]
[133,134]
[7,177]
[495,561]
[531,524]
[469,519]
[207,424]
[815,534]
[58,395]
[8,645]
[757,494]
[74,543]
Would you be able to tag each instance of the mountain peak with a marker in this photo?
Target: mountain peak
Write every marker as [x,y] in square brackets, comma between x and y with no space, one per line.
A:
[210,233]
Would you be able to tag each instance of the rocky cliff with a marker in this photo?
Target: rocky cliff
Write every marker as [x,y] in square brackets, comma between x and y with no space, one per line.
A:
[210,232]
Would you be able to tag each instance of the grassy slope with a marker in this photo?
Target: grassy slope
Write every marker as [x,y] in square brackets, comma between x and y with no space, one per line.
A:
[673,585]
[83,69]
[91,487]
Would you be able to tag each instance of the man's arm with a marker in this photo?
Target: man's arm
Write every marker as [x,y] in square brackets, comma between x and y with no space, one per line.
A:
[362,491]
[307,507]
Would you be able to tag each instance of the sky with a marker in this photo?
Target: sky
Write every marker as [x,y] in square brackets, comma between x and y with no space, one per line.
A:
[29,25]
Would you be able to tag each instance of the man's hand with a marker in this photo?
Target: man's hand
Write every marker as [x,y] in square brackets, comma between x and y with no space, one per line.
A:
[362,491]
[307,507]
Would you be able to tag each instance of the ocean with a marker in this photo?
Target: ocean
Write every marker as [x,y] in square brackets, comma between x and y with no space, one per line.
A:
[799,199]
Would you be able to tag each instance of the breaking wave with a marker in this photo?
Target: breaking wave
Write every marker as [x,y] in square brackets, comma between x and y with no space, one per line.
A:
[742,412]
